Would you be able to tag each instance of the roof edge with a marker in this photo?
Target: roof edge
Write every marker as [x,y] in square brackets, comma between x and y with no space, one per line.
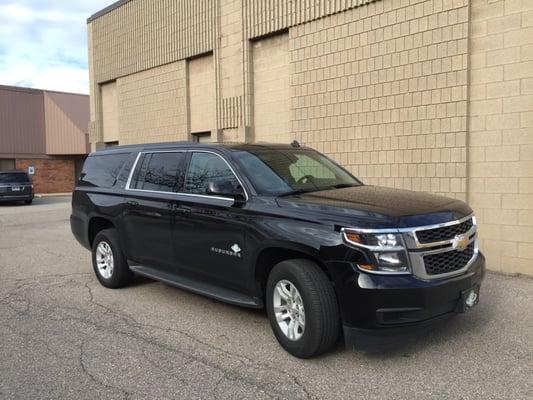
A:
[37,90]
[106,10]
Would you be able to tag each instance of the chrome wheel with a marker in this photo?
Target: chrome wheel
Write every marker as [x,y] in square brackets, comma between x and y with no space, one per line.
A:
[104,260]
[289,310]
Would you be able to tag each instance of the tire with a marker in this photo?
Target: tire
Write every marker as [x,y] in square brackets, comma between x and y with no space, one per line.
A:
[119,274]
[28,202]
[321,312]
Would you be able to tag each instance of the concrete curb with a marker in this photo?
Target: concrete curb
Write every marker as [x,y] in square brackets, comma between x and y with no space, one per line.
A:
[40,195]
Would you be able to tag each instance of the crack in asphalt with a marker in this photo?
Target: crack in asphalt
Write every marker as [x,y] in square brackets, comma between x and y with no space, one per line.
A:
[245,361]
[125,394]
[132,329]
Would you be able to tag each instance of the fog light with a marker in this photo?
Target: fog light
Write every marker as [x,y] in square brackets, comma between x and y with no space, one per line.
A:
[471,298]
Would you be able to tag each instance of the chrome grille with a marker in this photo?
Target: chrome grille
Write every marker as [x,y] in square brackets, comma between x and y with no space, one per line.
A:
[443,233]
[435,252]
[449,261]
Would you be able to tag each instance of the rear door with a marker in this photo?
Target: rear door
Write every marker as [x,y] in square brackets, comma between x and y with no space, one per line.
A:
[148,209]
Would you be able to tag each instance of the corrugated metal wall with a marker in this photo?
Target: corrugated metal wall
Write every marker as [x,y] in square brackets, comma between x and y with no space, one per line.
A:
[66,123]
[36,122]
[21,122]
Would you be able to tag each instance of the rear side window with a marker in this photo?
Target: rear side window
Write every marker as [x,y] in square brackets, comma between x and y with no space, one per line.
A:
[102,170]
[161,172]
[205,167]
[14,177]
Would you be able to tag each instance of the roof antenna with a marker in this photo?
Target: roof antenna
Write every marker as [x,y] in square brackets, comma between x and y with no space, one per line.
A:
[295,143]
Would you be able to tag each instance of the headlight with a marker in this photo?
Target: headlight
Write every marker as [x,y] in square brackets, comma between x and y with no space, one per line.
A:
[385,251]
[377,241]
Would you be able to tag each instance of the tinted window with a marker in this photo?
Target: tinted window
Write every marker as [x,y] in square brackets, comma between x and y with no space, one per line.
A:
[281,171]
[102,170]
[14,177]
[161,172]
[205,167]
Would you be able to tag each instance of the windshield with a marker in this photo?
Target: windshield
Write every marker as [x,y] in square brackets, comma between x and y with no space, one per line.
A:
[288,171]
[13,177]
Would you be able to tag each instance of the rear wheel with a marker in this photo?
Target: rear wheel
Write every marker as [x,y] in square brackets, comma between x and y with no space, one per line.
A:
[302,308]
[109,263]
[28,202]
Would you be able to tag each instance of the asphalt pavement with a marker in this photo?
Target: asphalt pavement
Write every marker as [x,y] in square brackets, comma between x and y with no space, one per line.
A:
[63,335]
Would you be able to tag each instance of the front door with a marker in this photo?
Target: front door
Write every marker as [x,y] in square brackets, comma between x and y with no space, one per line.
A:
[148,208]
[209,235]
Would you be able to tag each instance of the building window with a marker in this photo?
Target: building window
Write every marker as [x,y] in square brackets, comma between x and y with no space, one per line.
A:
[111,144]
[7,164]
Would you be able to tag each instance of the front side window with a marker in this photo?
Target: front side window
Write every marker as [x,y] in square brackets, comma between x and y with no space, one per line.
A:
[160,172]
[283,171]
[206,167]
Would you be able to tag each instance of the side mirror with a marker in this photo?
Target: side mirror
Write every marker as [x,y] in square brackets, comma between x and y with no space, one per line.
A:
[226,189]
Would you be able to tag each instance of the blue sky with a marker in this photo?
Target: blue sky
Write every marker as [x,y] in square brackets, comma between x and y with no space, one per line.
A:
[43,43]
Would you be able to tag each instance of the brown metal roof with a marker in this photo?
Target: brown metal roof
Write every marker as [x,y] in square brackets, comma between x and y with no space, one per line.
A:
[42,122]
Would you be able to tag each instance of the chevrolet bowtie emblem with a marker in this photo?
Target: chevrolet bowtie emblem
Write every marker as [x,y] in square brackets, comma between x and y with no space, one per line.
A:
[460,242]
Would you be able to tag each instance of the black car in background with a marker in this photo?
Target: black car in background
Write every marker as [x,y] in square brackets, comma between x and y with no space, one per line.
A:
[16,186]
[281,227]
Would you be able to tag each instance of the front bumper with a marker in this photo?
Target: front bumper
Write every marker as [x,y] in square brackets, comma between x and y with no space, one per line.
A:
[383,308]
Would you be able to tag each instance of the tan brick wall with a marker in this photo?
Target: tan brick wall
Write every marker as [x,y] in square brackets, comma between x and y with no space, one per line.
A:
[229,56]
[110,112]
[430,95]
[501,131]
[153,105]
[143,34]
[383,90]
[271,89]
[263,17]
[202,99]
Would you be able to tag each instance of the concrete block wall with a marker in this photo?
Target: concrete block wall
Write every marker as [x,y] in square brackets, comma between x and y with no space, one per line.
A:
[202,99]
[271,89]
[428,95]
[152,105]
[500,152]
[383,90]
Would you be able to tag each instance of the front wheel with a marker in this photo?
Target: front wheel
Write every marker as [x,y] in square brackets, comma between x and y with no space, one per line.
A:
[302,308]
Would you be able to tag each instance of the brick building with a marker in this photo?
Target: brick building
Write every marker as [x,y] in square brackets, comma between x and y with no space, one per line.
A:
[44,130]
[430,95]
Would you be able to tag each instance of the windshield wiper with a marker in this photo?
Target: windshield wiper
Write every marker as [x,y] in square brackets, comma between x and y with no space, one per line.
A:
[318,189]
[342,185]
[298,191]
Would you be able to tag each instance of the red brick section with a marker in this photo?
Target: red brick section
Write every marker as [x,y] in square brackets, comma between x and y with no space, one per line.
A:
[51,175]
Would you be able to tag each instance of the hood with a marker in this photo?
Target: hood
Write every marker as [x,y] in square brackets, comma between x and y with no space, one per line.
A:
[402,208]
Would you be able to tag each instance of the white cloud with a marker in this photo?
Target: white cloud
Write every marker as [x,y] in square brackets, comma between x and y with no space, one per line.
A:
[44,43]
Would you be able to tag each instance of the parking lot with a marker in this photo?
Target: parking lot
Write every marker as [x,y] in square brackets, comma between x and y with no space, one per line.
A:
[62,335]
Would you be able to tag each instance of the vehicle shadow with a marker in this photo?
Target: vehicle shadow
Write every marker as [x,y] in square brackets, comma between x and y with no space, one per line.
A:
[440,333]
[12,204]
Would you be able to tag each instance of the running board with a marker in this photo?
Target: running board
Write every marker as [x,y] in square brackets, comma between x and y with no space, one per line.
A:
[205,289]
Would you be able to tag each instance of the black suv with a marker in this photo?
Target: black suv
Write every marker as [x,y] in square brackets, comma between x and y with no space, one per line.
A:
[15,186]
[281,227]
